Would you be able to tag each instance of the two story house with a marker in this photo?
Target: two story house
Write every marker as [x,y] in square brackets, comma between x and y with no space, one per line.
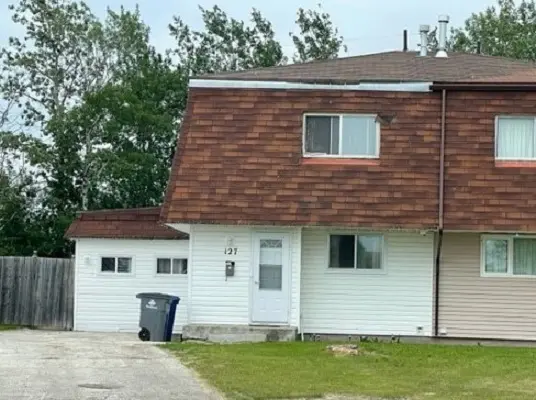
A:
[385,194]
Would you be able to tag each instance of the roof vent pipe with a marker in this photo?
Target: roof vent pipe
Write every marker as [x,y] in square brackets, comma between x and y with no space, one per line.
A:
[424,30]
[442,40]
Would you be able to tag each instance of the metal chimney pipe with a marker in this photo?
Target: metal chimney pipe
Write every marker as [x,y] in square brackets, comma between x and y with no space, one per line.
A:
[442,39]
[424,30]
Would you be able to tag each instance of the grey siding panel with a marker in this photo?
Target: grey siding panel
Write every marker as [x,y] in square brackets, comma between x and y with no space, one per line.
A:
[482,307]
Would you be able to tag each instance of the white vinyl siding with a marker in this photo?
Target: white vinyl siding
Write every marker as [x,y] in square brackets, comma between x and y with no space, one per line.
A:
[474,306]
[397,302]
[216,299]
[106,302]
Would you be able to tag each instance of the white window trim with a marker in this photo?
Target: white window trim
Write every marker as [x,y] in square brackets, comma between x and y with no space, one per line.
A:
[156,274]
[496,151]
[509,259]
[340,115]
[116,257]
[355,270]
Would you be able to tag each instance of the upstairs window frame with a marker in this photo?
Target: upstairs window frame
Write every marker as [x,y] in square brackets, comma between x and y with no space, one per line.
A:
[341,117]
[498,141]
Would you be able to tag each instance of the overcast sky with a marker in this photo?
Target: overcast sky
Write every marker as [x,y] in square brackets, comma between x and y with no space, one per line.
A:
[368,26]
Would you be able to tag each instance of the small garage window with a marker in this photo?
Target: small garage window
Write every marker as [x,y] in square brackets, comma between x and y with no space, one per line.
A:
[171,266]
[119,265]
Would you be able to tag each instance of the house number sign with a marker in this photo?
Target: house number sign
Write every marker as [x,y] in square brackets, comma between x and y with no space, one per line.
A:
[230,249]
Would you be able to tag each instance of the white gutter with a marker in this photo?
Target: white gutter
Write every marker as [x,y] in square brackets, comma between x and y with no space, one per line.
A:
[184,228]
[378,86]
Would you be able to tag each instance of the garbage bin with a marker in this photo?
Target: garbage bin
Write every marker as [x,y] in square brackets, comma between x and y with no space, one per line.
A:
[157,316]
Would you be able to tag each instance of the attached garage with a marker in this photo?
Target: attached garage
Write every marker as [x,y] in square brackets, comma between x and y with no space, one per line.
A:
[120,253]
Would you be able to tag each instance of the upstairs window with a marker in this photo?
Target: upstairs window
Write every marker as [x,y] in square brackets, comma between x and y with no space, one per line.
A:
[341,135]
[515,138]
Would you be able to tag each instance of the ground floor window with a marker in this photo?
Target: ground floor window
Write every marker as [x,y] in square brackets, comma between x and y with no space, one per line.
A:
[356,251]
[171,266]
[119,265]
[508,255]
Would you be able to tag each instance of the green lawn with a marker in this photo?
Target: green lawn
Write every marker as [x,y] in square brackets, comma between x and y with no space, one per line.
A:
[389,371]
[8,327]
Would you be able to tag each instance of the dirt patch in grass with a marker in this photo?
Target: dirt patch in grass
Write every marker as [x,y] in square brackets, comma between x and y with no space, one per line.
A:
[348,350]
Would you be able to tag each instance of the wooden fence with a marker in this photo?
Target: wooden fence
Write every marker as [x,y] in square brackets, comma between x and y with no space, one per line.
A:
[37,292]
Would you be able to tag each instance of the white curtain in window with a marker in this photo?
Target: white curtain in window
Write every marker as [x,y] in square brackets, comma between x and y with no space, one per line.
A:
[496,253]
[524,256]
[515,139]
[359,136]
[334,246]
[369,252]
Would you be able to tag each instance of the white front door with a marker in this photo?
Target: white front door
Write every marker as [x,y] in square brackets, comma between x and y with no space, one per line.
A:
[271,279]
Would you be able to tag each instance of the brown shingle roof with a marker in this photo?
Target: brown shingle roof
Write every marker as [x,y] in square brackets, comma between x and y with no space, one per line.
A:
[239,162]
[133,223]
[523,76]
[395,66]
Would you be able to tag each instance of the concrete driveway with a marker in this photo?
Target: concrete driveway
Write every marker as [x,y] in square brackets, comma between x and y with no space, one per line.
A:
[41,365]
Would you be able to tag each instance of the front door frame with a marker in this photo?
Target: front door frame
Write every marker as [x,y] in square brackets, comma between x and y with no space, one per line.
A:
[255,253]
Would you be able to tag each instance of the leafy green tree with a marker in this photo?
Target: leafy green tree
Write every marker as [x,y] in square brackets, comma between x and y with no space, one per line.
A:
[137,121]
[318,38]
[99,108]
[50,69]
[226,44]
[17,191]
[66,54]
[14,214]
[506,29]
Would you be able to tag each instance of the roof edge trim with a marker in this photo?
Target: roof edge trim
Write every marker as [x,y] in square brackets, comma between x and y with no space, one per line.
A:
[366,86]
[484,86]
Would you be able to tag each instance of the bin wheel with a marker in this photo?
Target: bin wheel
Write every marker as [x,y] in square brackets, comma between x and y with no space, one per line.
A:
[144,335]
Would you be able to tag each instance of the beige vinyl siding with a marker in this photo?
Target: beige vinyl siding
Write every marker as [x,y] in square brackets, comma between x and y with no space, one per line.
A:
[482,307]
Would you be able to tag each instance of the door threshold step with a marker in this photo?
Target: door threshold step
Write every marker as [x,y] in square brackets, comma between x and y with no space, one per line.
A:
[239,333]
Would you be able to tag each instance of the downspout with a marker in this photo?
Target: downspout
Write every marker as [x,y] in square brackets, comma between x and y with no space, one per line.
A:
[441,210]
